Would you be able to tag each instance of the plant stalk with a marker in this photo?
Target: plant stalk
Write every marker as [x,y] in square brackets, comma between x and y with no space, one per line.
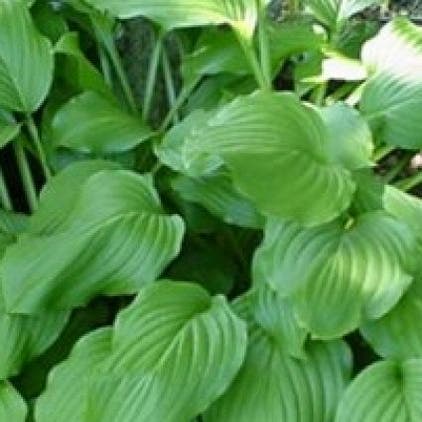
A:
[33,131]
[264,45]
[152,77]
[168,79]
[25,172]
[4,193]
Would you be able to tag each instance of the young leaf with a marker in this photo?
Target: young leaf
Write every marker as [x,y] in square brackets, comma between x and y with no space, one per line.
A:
[242,15]
[116,239]
[91,123]
[338,275]
[12,406]
[306,389]
[26,59]
[387,391]
[175,346]
[277,151]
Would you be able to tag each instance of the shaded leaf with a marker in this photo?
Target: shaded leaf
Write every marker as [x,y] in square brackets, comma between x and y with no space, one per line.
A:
[92,124]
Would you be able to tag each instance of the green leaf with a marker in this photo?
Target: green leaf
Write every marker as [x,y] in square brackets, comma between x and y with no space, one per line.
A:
[175,347]
[115,240]
[397,335]
[242,15]
[12,406]
[58,197]
[350,138]
[8,132]
[26,59]
[77,70]
[338,275]
[22,337]
[306,389]
[392,97]
[277,151]
[92,124]
[217,194]
[386,391]
[334,13]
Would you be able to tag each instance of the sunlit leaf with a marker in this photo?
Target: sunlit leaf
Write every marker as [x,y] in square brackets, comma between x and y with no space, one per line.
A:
[175,346]
[12,406]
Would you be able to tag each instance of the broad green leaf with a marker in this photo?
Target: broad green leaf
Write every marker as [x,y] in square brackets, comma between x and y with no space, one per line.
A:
[12,406]
[291,389]
[242,15]
[392,97]
[291,38]
[22,337]
[217,194]
[338,275]
[217,51]
[76,69]
[170,150]
[58,197]
[91,123]
[26,59]
[350,138]
[277,151]
[334,13]
[387,391]
[116,239]
[342,69]
[397,335]
[175,347]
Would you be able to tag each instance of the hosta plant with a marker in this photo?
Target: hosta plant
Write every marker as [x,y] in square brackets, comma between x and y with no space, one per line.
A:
[230,233]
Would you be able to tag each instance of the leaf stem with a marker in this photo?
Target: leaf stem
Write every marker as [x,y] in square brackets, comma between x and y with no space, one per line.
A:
[264,46]
[250,54]
[152,76]
[180,100]
[25,172]
[4,193]
[33,131]
[382,152]
[168,79]
[410,182]
[105,65]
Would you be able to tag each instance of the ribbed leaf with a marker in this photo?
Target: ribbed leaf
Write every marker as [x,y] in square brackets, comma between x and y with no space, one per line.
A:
[241,14]
[22,337]
[115,240]
[274,386]
[392,97]
[12,406]
[217,194]
[398,335]
[26,59]
[386,391]
[338,275]
[171,353]
[58,197]
[277,151]
[91,123]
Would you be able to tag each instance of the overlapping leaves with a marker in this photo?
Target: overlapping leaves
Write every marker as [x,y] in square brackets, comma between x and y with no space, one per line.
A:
[170,354]
[114,239]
